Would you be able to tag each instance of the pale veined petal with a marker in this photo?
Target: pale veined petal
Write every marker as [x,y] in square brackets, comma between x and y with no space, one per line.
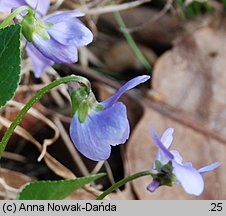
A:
[71,32]
[101,130]
[55,51]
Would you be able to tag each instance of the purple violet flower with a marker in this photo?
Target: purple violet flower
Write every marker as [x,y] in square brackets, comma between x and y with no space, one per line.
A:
[51,39]
[42,5]
[170,164]
[103,128]
[56,39]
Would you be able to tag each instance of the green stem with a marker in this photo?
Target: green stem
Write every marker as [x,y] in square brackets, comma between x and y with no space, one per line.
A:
[33,100]
[131,41]
[123,182]
[14,14]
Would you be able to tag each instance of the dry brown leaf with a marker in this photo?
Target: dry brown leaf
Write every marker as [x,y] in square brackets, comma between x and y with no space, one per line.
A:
[12,181]
[191,76]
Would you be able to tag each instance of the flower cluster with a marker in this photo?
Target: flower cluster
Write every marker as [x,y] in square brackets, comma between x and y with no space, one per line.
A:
[169,167]
[51,39]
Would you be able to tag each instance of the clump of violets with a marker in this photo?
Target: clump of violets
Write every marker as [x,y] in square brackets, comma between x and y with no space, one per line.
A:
[52,39]
[95,126]
[169,169]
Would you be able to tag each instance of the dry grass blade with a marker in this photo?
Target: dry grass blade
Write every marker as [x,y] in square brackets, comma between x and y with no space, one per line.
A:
[10,192]
[97,168]
[63,88]
[38,115]
[52,163]
[15,157]
[54,93]
[112,8]
[111,178]
[154,19]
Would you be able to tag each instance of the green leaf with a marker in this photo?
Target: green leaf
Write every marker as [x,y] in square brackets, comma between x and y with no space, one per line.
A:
[55,190]
[10,62]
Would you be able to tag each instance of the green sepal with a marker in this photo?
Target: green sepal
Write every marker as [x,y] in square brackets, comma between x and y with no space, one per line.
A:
[99,107]
[28,26]
[158,165]
[32,24]
[83,110]
[164,174]
[83,101]
[77,96]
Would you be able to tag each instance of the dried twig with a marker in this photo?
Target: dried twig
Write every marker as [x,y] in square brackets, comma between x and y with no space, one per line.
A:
[154,19]
[38,115]
[14,156]
[112,8]
[53,164]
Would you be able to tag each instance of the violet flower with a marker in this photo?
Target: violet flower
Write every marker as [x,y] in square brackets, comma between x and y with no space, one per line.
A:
[51,39]
[170,168]
[41,6]
[94,134]
[55,39]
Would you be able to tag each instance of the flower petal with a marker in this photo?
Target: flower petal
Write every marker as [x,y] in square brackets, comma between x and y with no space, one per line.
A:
[208,168]
[177,156]
[71,32]
[55,51]
[153,185]
[167,137]
[41,6]
[189,177]
[63,16]
[94,137]
[38,61]
[129,85]
[7,6]
[163,154]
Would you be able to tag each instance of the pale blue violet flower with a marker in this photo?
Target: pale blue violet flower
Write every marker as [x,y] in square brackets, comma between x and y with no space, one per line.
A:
[95,127]
[41,6]
[51,39]
[170,168]
[38,60]
[56,39]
